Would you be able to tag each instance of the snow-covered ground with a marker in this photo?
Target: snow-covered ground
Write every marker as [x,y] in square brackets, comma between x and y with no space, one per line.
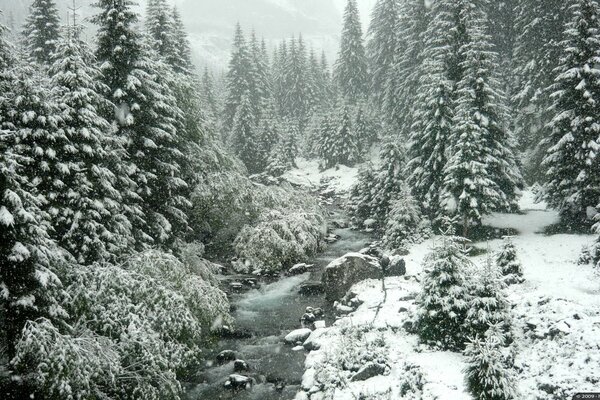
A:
[556,315]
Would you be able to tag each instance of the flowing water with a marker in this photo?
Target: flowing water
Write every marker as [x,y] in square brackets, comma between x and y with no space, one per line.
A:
[269,313]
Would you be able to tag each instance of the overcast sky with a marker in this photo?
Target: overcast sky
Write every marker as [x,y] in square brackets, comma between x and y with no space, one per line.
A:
[211,22]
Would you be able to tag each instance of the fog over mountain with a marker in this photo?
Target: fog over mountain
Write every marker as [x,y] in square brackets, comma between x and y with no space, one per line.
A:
[211,22]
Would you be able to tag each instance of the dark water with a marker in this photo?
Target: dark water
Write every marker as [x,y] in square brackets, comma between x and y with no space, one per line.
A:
[270,312]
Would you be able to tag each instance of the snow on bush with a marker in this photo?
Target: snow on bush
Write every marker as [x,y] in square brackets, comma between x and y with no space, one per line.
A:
[280,239]
[68,366]
[132,329]
[290,229]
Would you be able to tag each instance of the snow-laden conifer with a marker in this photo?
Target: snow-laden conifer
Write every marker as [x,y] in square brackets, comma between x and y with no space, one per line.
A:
[572,161]
[351,69]
[42,31]
[444,300]
[87,215]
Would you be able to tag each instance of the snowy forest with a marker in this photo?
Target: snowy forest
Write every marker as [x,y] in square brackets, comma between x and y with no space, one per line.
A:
[415,218]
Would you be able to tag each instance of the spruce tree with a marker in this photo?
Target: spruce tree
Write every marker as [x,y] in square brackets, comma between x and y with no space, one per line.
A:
[382,46]
[243,135]
[209,98]
[539,26]
[404,78]
[283,156]
[351,69]
[360,200]
[434,107]
[488,305]
[482,175]
[260,79]
[389,181]
[507,262]
[182,63]
[316,83]
[489,374]
[148,119]
[268,135]
[444,300]
[160,26]
[403,221]
[239,78]
[42,31]
[338,144]
[87,218]
[27,253]
[279,78]
[572,163]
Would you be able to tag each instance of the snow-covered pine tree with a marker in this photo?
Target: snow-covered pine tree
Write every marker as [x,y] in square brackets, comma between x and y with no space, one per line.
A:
[434,108]
[158,149]
[482,174]
[209,100]
[365,128]
[148,119]
[160,27]
[404,78]
[338,144]
[42,31]
[351,67]
[268,135]
[572,161]
[283,156]
[403,221]
[389,181]
[239,78]
[488,305]
[444,300]
[489,374]
[243,135]
[382,46]
[330,91]
[26,251]
[86,214]
[539,26]
[279,77]
[182,63]
[507,262]
[297,100]
[361,197]
[316,83]
[261,79]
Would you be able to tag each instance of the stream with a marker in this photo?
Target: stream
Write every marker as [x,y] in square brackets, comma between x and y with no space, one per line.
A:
[270,312]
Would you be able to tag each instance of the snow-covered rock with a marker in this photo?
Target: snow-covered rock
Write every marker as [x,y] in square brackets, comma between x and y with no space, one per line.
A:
[341,274]
[238,382]
[226,356]
[240,366]
[299,269]
[297,336]
[368,371]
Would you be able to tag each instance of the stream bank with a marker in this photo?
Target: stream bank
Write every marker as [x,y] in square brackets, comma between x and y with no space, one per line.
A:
[268,313]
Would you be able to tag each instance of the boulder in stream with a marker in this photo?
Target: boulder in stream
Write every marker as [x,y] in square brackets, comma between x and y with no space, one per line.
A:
[297,336]
[311,288]
[341,274]
[300,269]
